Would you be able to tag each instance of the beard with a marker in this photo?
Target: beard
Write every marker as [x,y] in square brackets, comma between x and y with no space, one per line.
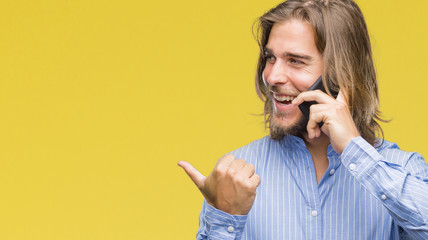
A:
[277,131]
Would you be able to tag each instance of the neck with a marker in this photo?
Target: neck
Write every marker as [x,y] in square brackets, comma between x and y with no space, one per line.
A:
[317,147]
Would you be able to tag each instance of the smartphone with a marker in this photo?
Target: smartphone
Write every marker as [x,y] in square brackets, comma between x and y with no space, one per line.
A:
[304,107]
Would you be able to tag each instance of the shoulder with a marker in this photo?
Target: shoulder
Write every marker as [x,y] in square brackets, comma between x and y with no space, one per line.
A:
[411,161]
[393,153]
[254,151]
[252,147]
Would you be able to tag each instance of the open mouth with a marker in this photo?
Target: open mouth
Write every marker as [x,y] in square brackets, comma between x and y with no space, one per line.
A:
[283,99]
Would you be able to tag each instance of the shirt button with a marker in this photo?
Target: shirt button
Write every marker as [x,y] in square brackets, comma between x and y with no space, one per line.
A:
[332,171]
[314,213]
[230,229]
[352,166]
[383,197]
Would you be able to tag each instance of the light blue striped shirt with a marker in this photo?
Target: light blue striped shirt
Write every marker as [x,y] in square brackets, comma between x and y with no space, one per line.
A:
[366,193]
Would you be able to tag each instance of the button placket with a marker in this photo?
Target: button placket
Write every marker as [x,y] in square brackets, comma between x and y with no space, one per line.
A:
[314,213]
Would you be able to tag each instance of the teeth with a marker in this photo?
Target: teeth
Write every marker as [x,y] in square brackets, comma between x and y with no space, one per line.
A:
[283,98]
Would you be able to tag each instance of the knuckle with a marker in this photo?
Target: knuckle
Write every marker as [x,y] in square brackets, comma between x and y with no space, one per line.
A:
[227,156]
[241,161]
[257,179]
[251,166]
[219,171]
[245,184]
[248,187]
[311,123]
[231,172]
[341,105]
[240,181]
[313,114]
[230,156]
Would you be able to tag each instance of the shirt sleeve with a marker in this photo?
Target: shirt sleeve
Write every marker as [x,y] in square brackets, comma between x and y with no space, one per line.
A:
[216,224]
[402,189]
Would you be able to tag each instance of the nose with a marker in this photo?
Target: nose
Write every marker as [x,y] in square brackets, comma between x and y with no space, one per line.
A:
[277,74]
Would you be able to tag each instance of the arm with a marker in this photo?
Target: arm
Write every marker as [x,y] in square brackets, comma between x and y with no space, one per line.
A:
[216,224]
[403,190]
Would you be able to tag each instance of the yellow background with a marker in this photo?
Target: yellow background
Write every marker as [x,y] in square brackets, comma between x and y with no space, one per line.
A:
[100,99]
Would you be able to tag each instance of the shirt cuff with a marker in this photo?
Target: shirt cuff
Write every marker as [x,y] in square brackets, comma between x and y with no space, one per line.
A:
[222,225]
[359,157]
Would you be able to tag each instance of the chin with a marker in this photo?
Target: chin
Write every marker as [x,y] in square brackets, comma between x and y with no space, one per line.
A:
[282,125]
[285,120]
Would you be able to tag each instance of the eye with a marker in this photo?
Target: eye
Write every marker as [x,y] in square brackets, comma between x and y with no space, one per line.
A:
[270,58]
[295,61]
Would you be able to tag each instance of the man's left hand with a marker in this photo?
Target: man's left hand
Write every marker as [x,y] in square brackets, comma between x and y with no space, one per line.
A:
[338,123]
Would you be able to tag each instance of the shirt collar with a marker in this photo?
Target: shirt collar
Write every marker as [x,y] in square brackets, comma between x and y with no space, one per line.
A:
[294,142]
[291,141]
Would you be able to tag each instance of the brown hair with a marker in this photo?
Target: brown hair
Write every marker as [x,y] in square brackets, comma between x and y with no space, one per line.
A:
[342,38]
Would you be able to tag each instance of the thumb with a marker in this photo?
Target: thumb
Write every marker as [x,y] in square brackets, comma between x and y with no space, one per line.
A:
[193,173]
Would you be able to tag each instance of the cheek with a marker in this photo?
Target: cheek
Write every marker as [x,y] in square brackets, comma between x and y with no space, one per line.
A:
[303,81]
[267,70]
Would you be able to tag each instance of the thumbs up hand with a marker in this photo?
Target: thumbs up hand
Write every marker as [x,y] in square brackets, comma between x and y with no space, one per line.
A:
[231,186]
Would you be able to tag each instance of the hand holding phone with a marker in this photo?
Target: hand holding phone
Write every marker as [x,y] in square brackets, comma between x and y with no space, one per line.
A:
[341,128]
[304,107]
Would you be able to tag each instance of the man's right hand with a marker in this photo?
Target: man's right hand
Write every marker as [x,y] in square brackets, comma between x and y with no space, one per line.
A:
[231,186]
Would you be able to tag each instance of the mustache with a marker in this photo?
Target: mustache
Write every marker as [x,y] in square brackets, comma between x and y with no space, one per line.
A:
[283,90]
[279,89]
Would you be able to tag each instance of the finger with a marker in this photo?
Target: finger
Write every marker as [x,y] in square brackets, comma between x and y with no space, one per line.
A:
[313,127]
[319,108]
[318,132]
[314,132]
[316,95]
[225,161]
[193,173]
[247,171]
[238,164]
[255,179]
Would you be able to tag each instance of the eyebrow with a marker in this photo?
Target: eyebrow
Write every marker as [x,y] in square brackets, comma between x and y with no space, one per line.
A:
[288,54]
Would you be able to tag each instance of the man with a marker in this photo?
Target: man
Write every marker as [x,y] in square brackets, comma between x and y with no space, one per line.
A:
[326,177]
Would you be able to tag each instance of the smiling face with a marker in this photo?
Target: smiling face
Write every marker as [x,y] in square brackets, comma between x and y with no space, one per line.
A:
[293,64]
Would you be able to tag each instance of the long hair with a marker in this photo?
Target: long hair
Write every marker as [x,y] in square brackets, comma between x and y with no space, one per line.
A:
[342,38]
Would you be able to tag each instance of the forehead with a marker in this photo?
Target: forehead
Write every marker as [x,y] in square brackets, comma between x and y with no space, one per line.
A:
[292,35]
